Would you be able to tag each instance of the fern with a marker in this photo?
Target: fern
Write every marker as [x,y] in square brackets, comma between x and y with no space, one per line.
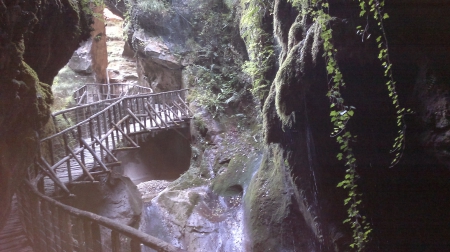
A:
[259,45]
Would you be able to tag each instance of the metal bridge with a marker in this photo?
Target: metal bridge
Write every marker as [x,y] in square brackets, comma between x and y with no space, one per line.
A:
[84,147]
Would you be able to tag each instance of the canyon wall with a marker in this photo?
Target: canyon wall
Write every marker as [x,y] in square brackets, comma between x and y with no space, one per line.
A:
[37,39]
[290,201]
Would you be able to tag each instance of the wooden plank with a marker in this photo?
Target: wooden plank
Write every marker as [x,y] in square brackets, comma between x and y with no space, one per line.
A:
[164,104]
[81,98]
[96,237]
[105,149]
[89,242]
[13,235]
[80,235]
[113,128]
[137,119]
[130,232]
[154,111]
[183,111]
[52,175]
[80,137]
[99,131]
[115,241]
[83,182]
[149,115]
[125,149]
[65,226]
[94,155]
[125,135]
[176,114]
[56,231]
[185,105]
[66,147]
[117,101]
[46,216]
[83,167]
[135,245]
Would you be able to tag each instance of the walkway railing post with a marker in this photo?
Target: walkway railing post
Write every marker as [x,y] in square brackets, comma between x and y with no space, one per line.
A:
[53,226]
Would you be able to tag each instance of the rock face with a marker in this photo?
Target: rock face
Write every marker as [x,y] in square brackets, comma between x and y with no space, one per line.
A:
[167,37]
[92,57]
[117,7]
[157,67]
[297,128]
[121,59]
[119,201]
[290,202]
[37,39]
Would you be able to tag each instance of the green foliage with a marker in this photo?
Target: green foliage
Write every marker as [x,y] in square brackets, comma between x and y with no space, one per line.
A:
[259,44]
[376,9]
[64,84]
[154,6]
[88,5]
[255,69]
[340,115]
[214,90]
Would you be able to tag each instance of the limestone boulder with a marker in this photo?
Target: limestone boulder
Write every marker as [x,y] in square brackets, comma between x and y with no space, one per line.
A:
[81,61]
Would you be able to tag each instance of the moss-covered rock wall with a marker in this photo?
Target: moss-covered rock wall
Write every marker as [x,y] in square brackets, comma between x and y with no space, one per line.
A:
[37,38]
[290,202]
[297,123]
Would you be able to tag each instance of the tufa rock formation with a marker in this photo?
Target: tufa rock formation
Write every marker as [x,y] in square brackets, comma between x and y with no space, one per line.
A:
[37,38]
[289,200]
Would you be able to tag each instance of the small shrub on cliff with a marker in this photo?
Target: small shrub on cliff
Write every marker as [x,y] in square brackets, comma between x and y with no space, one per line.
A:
[153,6]
[214,91]
[259,45]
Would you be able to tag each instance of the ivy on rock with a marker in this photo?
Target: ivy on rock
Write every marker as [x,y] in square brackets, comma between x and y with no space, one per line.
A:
[376,9]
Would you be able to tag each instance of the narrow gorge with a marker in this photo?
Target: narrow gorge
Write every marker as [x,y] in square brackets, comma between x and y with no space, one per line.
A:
[269,106]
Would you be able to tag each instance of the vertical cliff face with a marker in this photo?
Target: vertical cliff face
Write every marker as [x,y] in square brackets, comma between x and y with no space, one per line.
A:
[289,197]
[91,58]
[37,38]
[297,126]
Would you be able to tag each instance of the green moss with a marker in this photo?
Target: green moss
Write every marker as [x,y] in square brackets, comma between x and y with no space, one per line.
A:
[286,76]
[154,6]
[190,179]
[292,80]
[266,205]
[42,92]
[239,172]
[272,203]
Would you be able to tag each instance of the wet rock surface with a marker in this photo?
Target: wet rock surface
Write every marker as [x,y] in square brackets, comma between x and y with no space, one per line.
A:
[152,188]
[117,199]
[197,219]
